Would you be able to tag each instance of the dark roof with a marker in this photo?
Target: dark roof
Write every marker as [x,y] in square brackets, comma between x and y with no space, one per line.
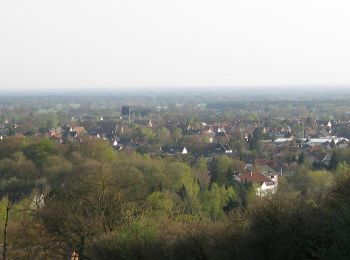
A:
[72,134]
[220,134]
[215,148]
[191,132]
[172,149]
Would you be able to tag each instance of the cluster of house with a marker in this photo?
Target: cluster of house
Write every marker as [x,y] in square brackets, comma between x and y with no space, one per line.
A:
[216,141]
[314,142]
[314,139]
[207,151]
[217,135]
[316,150]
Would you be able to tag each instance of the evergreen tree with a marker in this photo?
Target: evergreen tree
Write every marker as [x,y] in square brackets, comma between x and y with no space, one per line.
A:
[254,140]
[301,158]
[332,143]
[333,161]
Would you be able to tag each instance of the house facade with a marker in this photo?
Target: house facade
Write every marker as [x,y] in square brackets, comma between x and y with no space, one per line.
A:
[264,184]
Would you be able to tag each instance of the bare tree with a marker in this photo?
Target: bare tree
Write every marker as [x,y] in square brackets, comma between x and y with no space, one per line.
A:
[8,207]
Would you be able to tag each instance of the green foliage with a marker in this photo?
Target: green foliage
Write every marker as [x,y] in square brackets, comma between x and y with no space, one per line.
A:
[17,176]
[309,182]
[301,158]
[201,172]
[161,202]
[333,161]
[177,133]
[282,227]
[163,135]
[343,169]
[222,169]
[109,205]
[254,139]
[145,133]
[10,145]
[135,238]
[215,199]
[55,168]
[38,151]
[97,149]
[237,141]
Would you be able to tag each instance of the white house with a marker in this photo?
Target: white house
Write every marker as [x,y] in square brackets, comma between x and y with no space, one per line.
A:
[264,184]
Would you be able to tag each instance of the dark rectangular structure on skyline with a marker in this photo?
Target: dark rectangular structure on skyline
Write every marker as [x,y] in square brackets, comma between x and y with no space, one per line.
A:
[126,114]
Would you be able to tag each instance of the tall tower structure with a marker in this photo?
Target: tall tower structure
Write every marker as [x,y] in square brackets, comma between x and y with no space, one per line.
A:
[126,114]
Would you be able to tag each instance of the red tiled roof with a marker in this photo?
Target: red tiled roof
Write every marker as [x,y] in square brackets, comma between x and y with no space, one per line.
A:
[255,177]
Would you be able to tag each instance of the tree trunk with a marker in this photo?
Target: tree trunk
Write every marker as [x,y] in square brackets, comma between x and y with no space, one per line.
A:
[8,207]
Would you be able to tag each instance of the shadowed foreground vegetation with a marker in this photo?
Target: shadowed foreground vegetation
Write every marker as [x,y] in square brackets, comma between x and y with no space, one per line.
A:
[108,205]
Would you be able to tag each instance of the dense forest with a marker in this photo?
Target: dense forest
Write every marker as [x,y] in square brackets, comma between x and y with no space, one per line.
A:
[87,198]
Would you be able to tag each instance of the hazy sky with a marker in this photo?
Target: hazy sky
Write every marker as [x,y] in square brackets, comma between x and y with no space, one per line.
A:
[154,43]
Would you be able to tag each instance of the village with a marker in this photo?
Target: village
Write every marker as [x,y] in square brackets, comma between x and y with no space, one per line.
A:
[268,147]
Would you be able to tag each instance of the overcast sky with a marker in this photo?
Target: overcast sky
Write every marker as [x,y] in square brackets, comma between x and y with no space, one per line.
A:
[161,43]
